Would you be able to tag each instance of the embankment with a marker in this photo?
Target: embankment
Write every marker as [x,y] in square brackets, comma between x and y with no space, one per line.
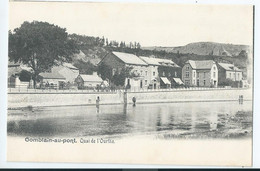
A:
[206,95]
[19,100]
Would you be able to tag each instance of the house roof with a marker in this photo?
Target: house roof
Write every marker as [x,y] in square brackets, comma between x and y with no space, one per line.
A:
[51,75]
[149,60]
[69,65]
[205,64]
[94,78]
[11,64]
[229,67]
[129,58]
[159,61]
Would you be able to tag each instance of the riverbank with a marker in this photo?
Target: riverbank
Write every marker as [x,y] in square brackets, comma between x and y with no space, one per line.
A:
[25,99]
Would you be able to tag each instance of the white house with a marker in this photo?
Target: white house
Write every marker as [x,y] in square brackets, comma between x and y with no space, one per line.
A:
[202,73]
[93,80]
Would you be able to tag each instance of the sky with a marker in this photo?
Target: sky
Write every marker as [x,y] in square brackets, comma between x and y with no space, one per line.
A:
[148,23]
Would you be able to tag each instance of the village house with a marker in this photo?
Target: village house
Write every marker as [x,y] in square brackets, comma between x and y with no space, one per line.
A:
[151,74]
[229,71]
[14,72]
[67,70]
[51,80]
[163,73]
[202,73]
[61,75]
[119,60]
[168,70]
[88,81]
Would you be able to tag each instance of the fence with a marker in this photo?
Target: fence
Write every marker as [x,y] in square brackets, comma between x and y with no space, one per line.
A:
[55,89]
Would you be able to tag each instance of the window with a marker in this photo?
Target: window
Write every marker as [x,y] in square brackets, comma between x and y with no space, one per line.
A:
[214,75]
[214,68]
[204,82]
[169,74]
[187,74]
[198,75]
[145,82]
[153,73]
[187,82]
[113,71]
[238,75]
[163,73]
[194,74]
[146,73]
[187,67]
[229,75]
[141,72]
[204,74]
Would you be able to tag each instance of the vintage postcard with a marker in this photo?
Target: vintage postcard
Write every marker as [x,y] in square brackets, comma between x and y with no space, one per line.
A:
[130,83]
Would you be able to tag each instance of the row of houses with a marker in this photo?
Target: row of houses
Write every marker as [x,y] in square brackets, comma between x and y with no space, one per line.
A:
[63,76]
[149,73]
[163,73]
[153,73]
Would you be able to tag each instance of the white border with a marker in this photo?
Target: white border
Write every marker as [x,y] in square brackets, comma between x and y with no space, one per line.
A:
[3,90]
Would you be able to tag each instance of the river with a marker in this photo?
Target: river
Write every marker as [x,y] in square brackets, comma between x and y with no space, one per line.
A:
[196,120]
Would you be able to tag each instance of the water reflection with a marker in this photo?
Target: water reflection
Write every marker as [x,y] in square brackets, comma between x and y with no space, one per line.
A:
[167,120]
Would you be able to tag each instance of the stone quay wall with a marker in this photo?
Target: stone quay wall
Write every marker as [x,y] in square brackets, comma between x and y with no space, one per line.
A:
[19,100]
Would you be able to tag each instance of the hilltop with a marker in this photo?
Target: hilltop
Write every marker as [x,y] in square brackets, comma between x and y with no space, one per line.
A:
[205,48]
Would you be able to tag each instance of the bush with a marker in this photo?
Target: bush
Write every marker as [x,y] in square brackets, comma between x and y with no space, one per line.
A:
[229,82]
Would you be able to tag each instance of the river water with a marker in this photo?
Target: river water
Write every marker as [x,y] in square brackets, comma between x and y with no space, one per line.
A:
[163,120]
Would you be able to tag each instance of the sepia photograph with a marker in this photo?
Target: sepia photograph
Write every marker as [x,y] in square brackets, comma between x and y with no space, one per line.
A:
[130,83]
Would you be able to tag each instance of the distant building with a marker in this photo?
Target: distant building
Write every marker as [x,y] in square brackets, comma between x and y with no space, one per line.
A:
[229,71]
[202,73]
[119,60]
[91,81]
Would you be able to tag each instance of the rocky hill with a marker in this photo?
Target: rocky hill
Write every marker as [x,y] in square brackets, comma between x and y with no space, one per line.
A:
[206,48]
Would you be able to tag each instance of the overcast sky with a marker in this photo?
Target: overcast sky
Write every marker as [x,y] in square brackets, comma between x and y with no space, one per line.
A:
[149,24]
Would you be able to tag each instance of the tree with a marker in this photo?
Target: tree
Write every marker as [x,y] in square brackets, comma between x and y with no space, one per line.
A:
[105,71]
[40,45]
[107,42]
[138,46]
[85,67]
[25,76]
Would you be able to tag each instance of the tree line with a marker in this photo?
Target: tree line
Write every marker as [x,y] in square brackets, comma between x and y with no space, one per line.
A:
[83,40]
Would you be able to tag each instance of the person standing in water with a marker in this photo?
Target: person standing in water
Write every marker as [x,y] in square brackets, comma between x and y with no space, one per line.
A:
[134,100]
[97,103]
